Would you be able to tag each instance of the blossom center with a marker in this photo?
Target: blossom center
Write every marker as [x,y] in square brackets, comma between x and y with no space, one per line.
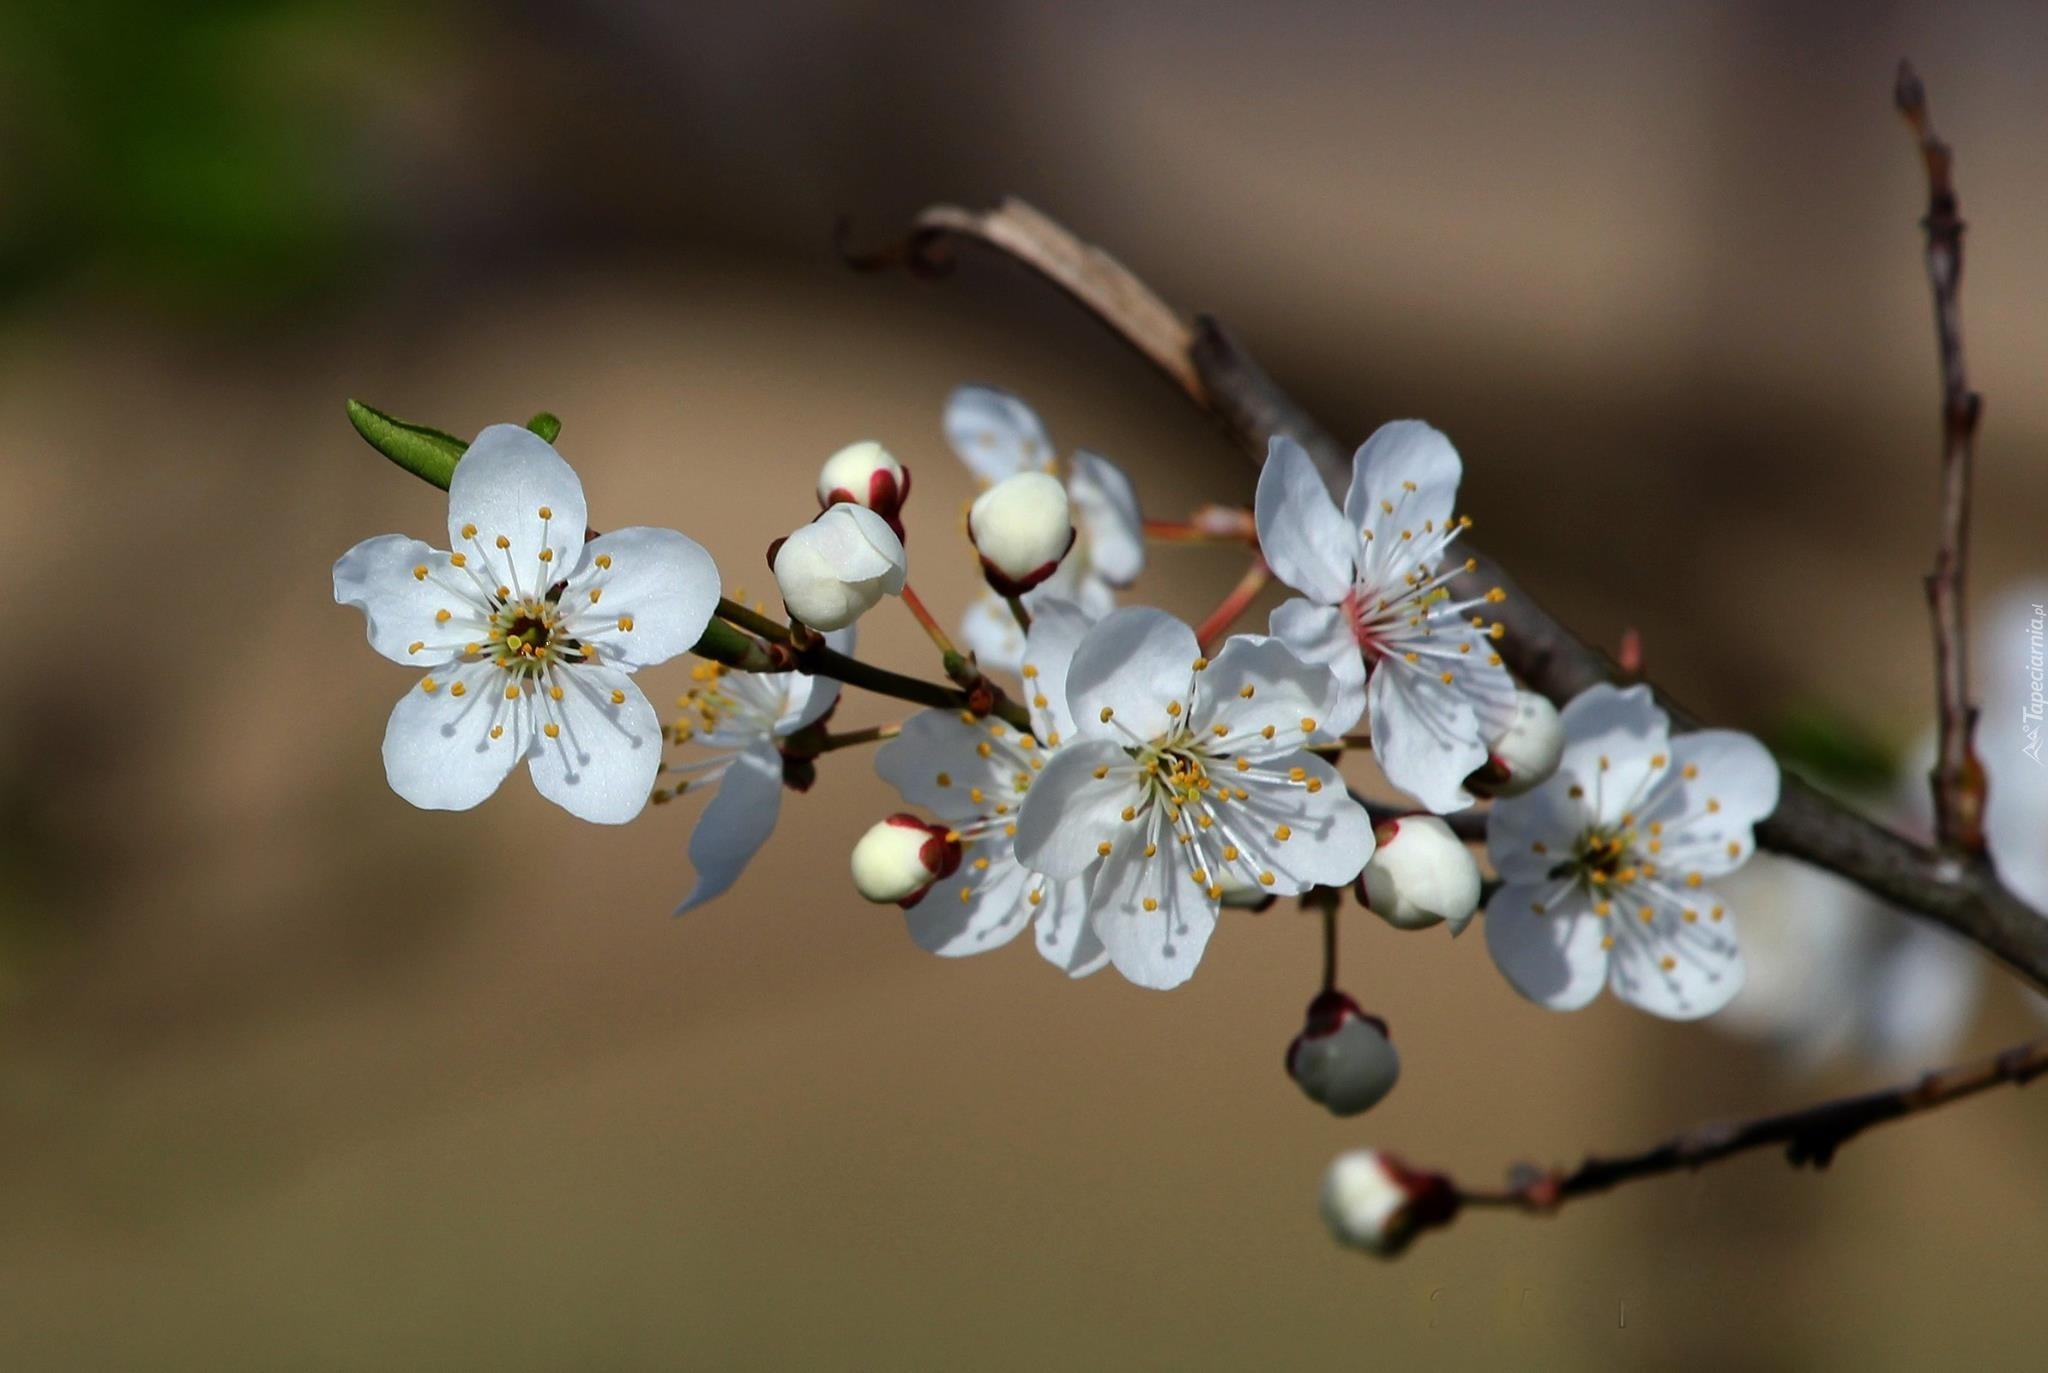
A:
[527,637]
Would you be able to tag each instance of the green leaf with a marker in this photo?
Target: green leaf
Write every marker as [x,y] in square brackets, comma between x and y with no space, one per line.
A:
[1828,748]
[545,425]
[427,453]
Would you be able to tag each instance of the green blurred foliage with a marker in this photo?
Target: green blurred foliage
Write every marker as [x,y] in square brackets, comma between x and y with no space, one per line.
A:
[1823,744]
[197,153]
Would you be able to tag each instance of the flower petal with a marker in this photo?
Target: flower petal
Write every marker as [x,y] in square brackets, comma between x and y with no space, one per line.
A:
[1528,835]
[505,479]
[974,910]
[1708,816]
[1400,454]
[1134,663]
[382,578]
[601,762]
[1057,629]
[1160,947]
[1069,810]
[736,823]
[1329,835]
[1622,725]
[1255,682]
[996,434]
[1106,512]
[1425,736]
[1554,959]
[1066,934]
[809,698]
[1304,537]
[660,582]
[938,765]
[438,749]
[1674,968]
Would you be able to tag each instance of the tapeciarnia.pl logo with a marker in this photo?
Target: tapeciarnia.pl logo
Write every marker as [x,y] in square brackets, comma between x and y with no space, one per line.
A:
[2037,702]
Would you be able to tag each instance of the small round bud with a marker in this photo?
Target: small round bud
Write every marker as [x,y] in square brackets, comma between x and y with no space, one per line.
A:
[834,569]
[1527,754]
[1342,1058]
[866,474]
[1022,527]
[1420,874]
[898,859]
[1374,1202]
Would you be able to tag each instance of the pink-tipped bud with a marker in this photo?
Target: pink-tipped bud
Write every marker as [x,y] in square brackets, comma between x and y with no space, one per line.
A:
[1527,754]
[1420,874]
[898,859]
[1022,527]
[1342,1058]
[866,474]
[1373,1201]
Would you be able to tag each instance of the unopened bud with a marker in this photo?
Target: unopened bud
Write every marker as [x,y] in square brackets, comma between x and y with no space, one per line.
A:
[866,474]
[1342,1057]
[832,570]
[1022,527]
[1527,754]
[1374,1202]
[898,859]
[1420,874]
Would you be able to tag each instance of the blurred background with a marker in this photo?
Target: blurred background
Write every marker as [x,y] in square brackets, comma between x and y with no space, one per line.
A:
[291,1077]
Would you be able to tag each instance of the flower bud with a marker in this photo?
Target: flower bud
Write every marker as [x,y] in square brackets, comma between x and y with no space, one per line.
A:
[866,474]
[832,570]
[1420,873]
[1342,1058]
[1022,527]
[1526,756]
[898,859]
[1376,1203]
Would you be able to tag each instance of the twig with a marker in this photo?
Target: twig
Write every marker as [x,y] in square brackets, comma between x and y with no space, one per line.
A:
[1958,778]
[1811,1135]
[1220,376]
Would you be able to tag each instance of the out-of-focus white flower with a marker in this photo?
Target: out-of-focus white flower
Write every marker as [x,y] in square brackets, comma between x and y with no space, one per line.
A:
[738,720]
[2012,738]
[1604,866]
[1342,1058]
[1421,874]
[1184,769]
[997,436]
[898,859]
[1373,1201]
[1376,605]
[834,569]
[1021,528]
[974,774]
[866,474]
[1527,754]
[527,635]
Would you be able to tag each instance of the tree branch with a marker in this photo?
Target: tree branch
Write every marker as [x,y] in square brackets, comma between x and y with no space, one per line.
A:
[1810,1135]
[1958,778]
[1221,377]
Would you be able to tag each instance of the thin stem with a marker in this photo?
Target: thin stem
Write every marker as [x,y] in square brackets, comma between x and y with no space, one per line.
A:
[1811,1135]
[855,737]
[753,620]
[1958,777]
[1018,612]
[1234,603]
[1209,524]
[924,617]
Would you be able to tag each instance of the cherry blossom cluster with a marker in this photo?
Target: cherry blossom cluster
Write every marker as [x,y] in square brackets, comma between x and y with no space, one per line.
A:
[1109,776]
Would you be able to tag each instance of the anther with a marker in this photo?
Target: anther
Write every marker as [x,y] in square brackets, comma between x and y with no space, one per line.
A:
[551,729]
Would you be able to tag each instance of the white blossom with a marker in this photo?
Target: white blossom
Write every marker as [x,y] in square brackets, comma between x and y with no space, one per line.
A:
[833,570]
[1421,874]
[974,774]
[899,858]
[1022,529]
[1372,1201]
[1605,866]
[527,636]
[866,474]
[1376,605]
[737,721]
[1183,770]
[1528,753]
[997,436]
